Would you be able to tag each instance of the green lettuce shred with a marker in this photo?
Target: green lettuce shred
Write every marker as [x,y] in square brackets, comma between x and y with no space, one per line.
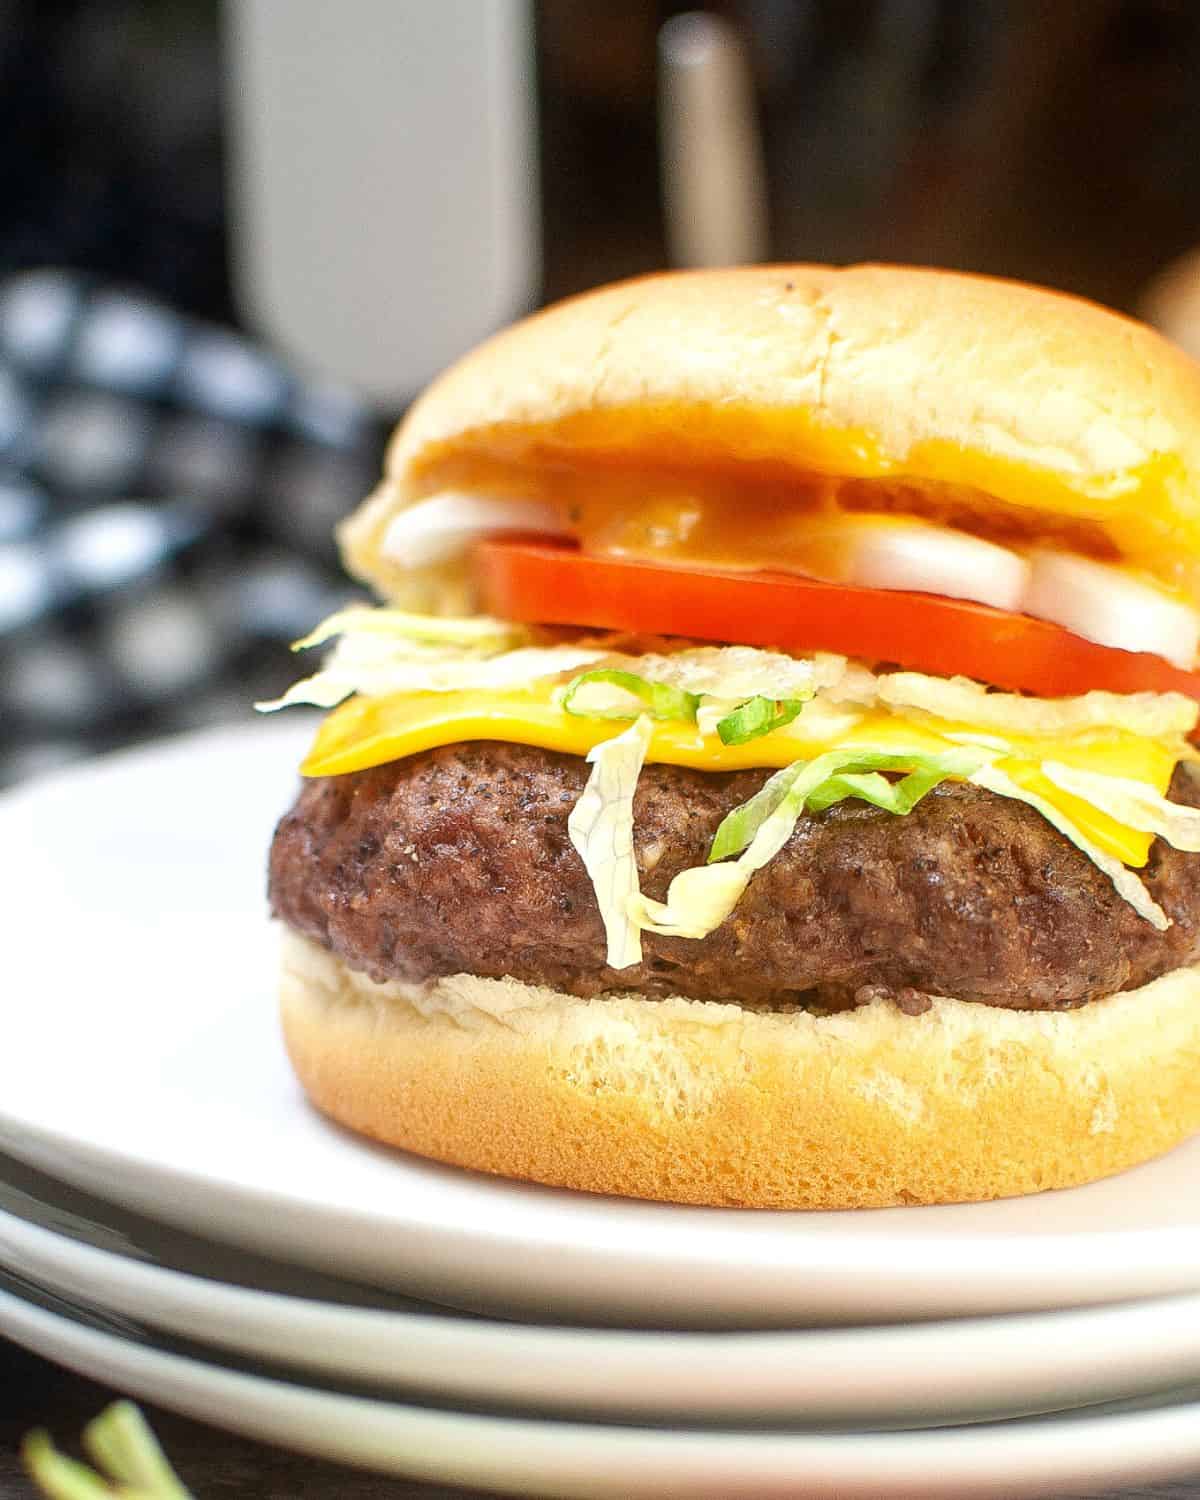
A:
[898,797]
[658,700]
[739,827]
[701,898]
[853,772]
[756,717]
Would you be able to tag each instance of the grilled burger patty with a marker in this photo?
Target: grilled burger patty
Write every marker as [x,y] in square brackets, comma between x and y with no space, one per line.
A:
[458,861]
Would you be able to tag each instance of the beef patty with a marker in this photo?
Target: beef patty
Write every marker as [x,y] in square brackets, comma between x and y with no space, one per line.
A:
[458,861]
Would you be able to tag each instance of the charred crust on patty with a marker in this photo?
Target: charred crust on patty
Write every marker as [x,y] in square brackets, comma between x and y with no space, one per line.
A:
[458,861]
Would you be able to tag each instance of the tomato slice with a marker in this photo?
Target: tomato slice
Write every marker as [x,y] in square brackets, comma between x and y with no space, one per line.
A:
[556,584]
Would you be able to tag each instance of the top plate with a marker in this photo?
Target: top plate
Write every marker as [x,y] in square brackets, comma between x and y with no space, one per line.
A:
[142,1061]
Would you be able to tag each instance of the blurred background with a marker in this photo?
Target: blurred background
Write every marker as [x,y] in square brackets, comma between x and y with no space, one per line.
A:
[238,238]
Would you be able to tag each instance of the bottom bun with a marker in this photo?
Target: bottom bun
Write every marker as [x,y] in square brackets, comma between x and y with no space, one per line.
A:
[692,1101]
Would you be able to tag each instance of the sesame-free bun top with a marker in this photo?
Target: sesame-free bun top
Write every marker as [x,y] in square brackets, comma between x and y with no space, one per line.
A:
[954,389]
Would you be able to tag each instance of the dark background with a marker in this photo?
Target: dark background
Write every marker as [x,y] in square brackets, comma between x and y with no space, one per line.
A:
[1054,142]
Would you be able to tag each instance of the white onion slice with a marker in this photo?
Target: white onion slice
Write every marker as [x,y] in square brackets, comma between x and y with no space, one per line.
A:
[1110,606]
[1104,603]
[1100,602]
[444,526]
[886,552]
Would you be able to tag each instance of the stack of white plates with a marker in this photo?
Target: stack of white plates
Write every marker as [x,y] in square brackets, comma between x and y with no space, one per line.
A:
[175,1220]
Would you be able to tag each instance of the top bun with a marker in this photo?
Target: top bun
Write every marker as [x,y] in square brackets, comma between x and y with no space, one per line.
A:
[1028,399]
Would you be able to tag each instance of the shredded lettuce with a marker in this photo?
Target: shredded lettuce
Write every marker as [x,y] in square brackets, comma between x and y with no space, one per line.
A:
[383,651]
[636,695]
[739,826]
[1125,882]
[839,774]
[823,721]
[390,651]
[701,898]
[735,673]
[738,694]
[655,689]
[122,1445]
[756,717]
[1130,802]
[960,700]
[376,667]
[478,632]
[897,797]
[601,829]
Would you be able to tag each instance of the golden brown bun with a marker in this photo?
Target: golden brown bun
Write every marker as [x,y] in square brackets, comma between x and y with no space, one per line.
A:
[696,1102]
[1040,401]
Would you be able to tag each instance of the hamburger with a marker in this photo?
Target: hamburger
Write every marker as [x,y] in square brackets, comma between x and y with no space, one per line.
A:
[767,779]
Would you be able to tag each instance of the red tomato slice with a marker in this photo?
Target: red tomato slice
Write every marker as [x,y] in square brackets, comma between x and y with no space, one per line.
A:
[555,584]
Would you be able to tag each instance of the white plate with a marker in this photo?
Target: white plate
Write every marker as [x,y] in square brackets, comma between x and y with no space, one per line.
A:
[1039,1456]
[924,1374]
[141,1060]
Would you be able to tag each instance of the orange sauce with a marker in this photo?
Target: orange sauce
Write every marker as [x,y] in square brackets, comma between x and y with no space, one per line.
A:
[722,480]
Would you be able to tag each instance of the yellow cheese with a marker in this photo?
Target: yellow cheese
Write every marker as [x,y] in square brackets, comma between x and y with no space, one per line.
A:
[368,732]
[1128,845]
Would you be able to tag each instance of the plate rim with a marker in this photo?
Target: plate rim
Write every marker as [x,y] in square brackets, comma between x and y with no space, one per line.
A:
[1004,1459]
[469,1352]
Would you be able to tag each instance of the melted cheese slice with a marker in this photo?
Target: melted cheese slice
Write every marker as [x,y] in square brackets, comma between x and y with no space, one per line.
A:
[367,732]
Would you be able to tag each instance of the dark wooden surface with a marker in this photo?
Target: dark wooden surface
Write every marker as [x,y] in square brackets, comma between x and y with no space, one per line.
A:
[217,1466]
[214,1465]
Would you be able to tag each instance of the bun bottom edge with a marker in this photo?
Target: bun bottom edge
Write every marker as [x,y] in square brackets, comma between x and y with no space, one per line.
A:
[698,1102]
